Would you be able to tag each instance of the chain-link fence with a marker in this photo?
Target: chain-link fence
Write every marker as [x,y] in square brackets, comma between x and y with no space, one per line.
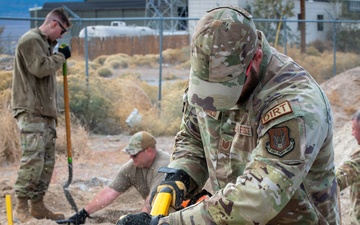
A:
[323,56]
[120,35]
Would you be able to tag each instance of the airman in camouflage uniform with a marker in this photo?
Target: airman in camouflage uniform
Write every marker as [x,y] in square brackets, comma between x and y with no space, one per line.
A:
[34,104]
[348,173]
[258,125]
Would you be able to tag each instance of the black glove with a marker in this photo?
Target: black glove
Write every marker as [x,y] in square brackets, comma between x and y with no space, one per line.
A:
[178,181]
[65,50]
[142,218]
[79,218]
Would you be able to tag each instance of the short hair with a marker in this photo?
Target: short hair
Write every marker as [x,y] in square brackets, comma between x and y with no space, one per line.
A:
[356,117]
[61,15]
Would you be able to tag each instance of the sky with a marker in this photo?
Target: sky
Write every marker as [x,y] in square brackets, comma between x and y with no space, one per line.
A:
[20,8]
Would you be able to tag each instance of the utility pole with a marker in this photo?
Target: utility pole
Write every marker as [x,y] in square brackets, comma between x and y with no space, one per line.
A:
[302,27]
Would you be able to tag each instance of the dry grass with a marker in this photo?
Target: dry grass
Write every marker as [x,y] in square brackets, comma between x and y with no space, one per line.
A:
[9,139]
[5,80]
[10,150]
[125,90]
[320,65]
[79,139]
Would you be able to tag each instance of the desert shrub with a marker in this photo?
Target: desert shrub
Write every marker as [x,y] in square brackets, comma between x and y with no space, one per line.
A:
[130,93]
[78,67]
[321,66]
[118,64]
[176,56]
[164,118]
[102,105]
[184,65]
[79,138]
[150,60]
[100,59]
[9,140]
[346,61]
[321,45]
[90,105]
[10,150]
[93,65]
[347,38]
[169,76]
[104,71]
[311,50]
[5,80]
[117,61]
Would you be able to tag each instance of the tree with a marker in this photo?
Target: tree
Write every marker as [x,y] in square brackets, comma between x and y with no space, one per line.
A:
[273,9]
[346,12]
[347,34]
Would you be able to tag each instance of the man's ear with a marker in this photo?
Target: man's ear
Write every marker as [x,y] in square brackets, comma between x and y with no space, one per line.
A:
[257,59]
[258,55]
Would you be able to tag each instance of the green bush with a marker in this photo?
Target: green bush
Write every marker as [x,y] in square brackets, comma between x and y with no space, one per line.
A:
[104,72]
[100,59]
[90,105]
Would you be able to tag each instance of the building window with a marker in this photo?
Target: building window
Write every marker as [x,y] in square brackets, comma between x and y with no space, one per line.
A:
[354,6]
[320,24]
[299,23]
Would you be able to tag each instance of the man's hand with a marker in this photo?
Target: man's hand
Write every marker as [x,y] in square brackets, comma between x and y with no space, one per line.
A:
[65,50]
[80,217]
[178,181]
[142,218]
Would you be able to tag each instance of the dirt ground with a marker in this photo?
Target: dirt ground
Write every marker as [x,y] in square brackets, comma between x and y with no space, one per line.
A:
[93,172]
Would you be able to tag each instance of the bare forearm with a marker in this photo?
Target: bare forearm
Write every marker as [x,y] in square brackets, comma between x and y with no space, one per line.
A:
[104,198]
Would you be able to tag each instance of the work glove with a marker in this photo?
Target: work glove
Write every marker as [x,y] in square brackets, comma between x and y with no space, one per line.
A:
[142,218]
[65,50]
[178,181]
[79,218]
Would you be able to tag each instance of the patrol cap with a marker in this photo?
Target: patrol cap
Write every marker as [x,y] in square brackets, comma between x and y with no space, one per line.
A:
[223,44]
[139,142]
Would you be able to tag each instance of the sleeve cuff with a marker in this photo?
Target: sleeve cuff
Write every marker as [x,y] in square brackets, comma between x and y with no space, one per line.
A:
[195,214]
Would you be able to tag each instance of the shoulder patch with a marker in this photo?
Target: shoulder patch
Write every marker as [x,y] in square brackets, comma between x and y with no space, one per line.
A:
[280,142]
[277,111]
[213,114]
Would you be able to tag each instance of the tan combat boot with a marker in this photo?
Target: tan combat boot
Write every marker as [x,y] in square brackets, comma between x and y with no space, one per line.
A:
[39,211]
[22,213]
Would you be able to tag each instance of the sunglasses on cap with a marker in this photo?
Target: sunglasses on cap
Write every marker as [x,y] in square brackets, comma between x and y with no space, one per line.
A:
[63,30]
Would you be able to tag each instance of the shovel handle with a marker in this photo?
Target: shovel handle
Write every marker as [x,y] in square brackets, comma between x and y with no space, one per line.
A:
[68,140]
[67,113]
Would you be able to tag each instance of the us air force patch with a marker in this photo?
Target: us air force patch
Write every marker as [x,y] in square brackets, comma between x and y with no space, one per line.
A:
[280,142]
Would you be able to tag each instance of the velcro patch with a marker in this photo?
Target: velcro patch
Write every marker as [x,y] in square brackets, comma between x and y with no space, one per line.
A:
[276,111]
[225,145]
[213,114]
[280,142]
[243,129]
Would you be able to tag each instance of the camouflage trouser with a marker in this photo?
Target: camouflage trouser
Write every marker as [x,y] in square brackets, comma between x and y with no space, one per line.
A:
[355,203]
[37,140]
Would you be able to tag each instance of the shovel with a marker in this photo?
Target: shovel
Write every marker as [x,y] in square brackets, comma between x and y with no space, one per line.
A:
[68,141]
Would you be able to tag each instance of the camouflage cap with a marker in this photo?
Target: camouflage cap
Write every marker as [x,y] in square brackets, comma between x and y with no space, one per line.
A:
[223,44]
[139,142]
